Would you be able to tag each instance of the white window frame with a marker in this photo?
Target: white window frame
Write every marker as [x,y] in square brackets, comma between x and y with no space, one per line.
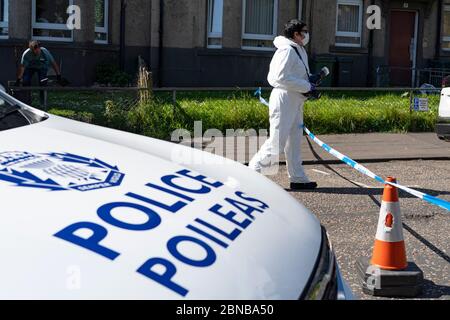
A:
[250,36]
[48,26]
[105,28]
[300,10]
[214,35]
[360,4]
[4,23]
[445,38]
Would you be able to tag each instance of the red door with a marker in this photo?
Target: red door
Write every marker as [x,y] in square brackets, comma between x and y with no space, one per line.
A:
[401,47]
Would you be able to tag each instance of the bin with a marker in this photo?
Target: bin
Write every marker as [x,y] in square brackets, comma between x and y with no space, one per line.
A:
[345,66]
[382,74]
[330,63]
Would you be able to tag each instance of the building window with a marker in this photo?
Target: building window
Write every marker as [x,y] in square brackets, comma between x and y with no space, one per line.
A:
[259,24]
[215,23]
[3,19]
[349,23]
[300,10]
[446,29]
[50,20]
[101,21]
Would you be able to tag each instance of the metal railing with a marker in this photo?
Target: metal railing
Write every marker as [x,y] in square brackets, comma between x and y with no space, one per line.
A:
[341,110]
[176,90]
[431,76]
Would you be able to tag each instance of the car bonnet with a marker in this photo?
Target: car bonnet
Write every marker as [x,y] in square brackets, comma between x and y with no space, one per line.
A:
[87,218]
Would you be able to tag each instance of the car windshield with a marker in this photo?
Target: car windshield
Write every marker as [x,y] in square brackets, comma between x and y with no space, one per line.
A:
[11,116]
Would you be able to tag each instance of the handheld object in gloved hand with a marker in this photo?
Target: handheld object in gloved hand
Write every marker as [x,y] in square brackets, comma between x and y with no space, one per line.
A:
[314,94]
[63,82]
[317,79]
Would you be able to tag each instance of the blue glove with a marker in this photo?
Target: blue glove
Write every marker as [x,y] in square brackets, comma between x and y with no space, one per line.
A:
[315,79]
[313,94]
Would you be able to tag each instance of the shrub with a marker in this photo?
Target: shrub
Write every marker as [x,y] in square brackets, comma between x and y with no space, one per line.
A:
[156,119]
[78,116]
[116,115]
[108,74]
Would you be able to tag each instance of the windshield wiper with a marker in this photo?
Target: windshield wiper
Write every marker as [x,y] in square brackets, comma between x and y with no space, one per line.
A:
[8,110]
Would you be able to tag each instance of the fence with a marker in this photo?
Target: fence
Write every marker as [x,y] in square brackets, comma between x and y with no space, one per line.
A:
[431,76]
[341,110]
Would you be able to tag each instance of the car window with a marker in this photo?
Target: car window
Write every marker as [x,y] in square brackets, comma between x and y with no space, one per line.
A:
[11,116]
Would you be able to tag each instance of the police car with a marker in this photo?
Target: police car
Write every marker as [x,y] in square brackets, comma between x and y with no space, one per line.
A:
[93,213]
[443,125]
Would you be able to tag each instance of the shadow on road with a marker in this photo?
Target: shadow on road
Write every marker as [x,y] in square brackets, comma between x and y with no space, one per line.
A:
[359,190]
[431,246]
[433,290]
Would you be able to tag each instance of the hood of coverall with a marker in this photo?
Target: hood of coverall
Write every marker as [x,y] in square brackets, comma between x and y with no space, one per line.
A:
[281,42]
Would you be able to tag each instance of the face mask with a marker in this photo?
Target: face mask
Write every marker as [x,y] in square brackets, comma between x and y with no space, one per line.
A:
[306,40]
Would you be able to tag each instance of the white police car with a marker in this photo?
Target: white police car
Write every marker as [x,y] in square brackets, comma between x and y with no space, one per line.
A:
[443,125]
[93,213]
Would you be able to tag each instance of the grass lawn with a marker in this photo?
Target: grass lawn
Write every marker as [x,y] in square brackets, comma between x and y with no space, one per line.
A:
[336,112]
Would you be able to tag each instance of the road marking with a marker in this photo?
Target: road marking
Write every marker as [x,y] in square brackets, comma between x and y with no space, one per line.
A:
[321,172]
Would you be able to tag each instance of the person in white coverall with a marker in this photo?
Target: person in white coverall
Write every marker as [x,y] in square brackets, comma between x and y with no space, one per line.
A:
[289,76]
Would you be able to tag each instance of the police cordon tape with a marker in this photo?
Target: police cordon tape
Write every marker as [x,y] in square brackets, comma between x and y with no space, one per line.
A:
[350,162]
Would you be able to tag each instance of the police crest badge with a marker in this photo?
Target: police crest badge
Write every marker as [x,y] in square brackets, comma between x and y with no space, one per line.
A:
[58,171]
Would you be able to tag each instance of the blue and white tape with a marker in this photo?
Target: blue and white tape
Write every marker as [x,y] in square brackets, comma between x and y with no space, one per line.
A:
[350,162]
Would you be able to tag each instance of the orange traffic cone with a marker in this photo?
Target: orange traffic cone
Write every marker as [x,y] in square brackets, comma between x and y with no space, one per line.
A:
[389,252]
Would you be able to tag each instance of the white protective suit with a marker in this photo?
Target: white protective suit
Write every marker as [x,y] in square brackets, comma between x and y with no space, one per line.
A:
[290,78]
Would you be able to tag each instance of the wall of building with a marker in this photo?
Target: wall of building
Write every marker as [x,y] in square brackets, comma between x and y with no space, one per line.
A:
[80,57]
[232,24]
[184,59]
[187,62]
[430,32]
[287,10]
[138,33]
[348,61]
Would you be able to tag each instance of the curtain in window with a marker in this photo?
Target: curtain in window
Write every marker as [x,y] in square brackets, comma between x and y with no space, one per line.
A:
[348,18]
[259,16]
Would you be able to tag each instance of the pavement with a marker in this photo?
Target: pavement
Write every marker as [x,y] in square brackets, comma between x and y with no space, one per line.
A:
[380,147]
[371,147]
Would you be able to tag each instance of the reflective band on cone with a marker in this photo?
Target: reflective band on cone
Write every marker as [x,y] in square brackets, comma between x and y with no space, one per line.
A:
[389,252]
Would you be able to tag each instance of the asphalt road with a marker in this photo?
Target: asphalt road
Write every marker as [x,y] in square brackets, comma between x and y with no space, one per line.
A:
[347,204]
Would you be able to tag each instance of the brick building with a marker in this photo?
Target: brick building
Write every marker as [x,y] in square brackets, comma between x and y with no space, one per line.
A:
[228,42]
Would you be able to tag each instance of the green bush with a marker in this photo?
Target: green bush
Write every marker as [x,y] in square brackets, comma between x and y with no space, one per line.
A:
[108,74]
[70,114]
[155,119]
